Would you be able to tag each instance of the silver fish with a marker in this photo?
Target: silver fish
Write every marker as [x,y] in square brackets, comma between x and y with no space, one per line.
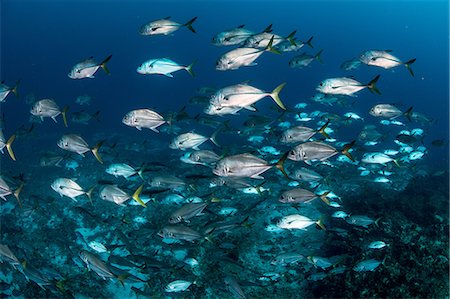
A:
[346,86]
[262,40]
[301,134]
[384,59]
[287,258]
[300,195]
[306,175]
[303,60]
[201,157]
[191,140]
[187,212]
[6,255]
[361,220]
[143,118]
[116,195]
[163,66]
[167,181]
[121,169]
[389,111]
[69,188]
[75,143]
[94,263]
[351,64]
[242,165]
[314,150]
[234,287]
[367,265]
[235,36]
[88,67]
[165,27]
[48,108]
[180,233]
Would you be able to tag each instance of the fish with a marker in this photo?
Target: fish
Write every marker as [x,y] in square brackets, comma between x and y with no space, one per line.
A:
[6,255]
[303,60]
[33,274]
[191,140]
[98,247]
[314,150]
[116,195]
[234,287]
[88,68]
[300,195]
[389,111]
[346,86]
[361,220]
[306,175]
[94,263]
[68,187]
[6,190]
[179,232]
[7,143]
[287,258]
[49,108]
[6,90]
[201,157]
[340,215]
[242,96]
[384,59]
[378,158]
[167,182]
[262,40]
[83,100]
[187,212]
[297,221]
[143,118]
[301,134]
[287,46]
[235,36]
[367,265]
[178,286]
[75,143]
[163,66]
[351,64]
[83,117]
[377,245]
[240,57]
[241,166]
[122,169]
[165,27]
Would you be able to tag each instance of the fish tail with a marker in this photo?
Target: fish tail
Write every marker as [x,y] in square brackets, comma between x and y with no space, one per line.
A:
[9,148]
[17,192]
[270,48]
[96,115]
[346,150]
[324,198]
[121,278]
[372,85]
[320,223]
[189,25]
[308,42]
[268,29]
[14,89]
[280,164]
[96,153]
[89,194]
[141,172]
[291,38]
[103,64]
[189,69]
[275,95]
[408,66]
[64,115]
[136,197]
[408,113]
[318,57]
[377,221]
[322,130]
[214,135]
[396,163]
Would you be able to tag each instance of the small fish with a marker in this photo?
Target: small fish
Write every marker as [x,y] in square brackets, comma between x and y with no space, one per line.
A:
[340,215]
[180,233]
[242,165]
[7,143]
[48,108]
[6,255]
[75,143]
[6,90]
[234,287]
[83,100]
[351,64]
[143,118]
[233,36]
[201,157]
[303,60]
[83,117]
[88,67]
[361,220]
[346,86]
[69,188]
[301,134]
[122,169]
[378,158]
[187,212]
[287,258]
[377,245]
[116,195]
[262,40]
[163,66]
[384,59]
[367,265]
[314,150]
[165,27]
[389,111]
[95,264]
[97,246]
[191,140]
[297,221]
[301,196]
[239,57]
[178,286]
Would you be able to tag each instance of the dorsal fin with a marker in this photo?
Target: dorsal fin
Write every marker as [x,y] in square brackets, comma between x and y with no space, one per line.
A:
[241,26]
[166,18]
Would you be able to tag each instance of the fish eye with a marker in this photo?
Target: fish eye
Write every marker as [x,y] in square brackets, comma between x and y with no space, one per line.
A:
[320,84]
[292,153]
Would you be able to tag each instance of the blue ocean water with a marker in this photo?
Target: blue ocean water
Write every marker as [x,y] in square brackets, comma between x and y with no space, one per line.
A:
[42,40]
